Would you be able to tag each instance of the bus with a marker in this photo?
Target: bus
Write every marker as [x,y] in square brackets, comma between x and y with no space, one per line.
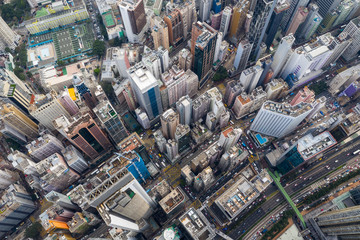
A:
[244,145]
[252,120]
[356,152]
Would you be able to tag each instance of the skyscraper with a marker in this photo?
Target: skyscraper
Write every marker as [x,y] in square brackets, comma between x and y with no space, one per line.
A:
[8,38]
[47,110]
[85,134]
[74,159]
[205,7]
[9,132]
[134,19]
[242,54]
[175,27]
[326,5]
[225,20]
[279,119]
[353,30]
[45,146]
[18,120]
[160,33]
[204,52]
[69,105]
[249,78]
[184,107]
[260,20]
[311,23]
[15,91]
[282,54]
[169,121]
[146,89]
[238,19]
[275,20]
[299,18]
[340,223]
[290,13]
[233,89]
[110,120]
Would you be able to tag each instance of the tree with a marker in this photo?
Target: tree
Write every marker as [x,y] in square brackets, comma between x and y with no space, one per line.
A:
[8,50]
[34,231]
[96,71]
[220,74]
[61,63]
[99,48]
[19,72]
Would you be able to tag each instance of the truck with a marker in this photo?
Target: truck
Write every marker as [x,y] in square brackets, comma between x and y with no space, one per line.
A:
[356,152]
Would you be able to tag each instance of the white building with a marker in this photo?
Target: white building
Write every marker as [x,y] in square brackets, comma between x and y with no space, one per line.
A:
[249,78]
[184,107]
[142,118]
[229,137]
[353,30]
[134,20]
[279,119]
[23,163]
[309,57]
[205,7]
[242,54]
[282,54]
[146,89]
[225,20]
[74,159]
[8,38]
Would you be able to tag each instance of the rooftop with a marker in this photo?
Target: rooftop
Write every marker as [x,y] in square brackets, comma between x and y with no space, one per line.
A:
[104,111]
[287,109]
[172,200]
[142,77]
[309,146]
[197,225]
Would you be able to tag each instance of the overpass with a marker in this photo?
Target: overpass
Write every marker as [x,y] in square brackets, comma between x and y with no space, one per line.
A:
[287,197]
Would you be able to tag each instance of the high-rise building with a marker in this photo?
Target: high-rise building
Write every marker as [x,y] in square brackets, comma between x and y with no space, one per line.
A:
[205,7]
[118,197]
[188,14]
[16,119]
[172,150]
[340,223]
[7,177]
[238,19]
[327,22]
[47,110]
[146,89]
[309,57]
[225,20]
[69,105]
[175,27]
[311,23]
[182,137]
[142,118]
[200,107]
[216,6]
[169,121]
[160,33]
[134,19]
[290,13]
[17,205]
[216,20]
[304,95]
[45,146]
[74,159]
[282,54]
[15,91]
[276,89]
[265,64]
[11,133]
[275,20]
[55,174]
[353,30]
[23,163]
[242,55]
[185,59]
[338,46]
[229,137]
[84,92]
[8,37]
[111,121]
[260,20]
[279,119]
[249,78]
[233,89]
[299,18]
[184,108]
[327,5]
[204,51]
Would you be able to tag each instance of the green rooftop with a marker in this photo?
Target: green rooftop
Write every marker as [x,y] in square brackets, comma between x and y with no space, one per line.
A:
[42,12]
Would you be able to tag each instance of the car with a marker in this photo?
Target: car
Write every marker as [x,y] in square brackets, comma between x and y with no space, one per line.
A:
[336,161]
[277,199]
